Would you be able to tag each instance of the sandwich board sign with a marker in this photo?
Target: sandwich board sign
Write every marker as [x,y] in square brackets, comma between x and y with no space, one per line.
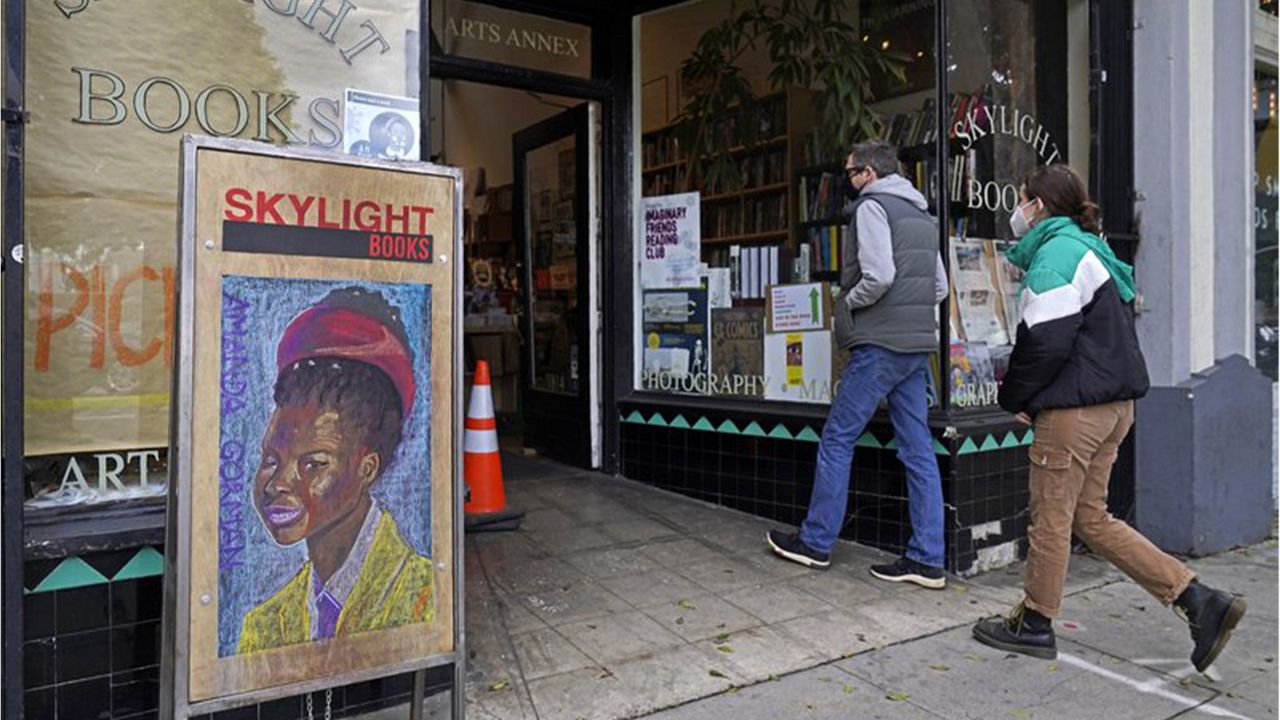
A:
[314,530]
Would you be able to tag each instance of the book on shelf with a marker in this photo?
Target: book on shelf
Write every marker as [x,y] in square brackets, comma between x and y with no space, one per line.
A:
[826,244]
[909,129]
[660,148]
[820,197]
[753,268]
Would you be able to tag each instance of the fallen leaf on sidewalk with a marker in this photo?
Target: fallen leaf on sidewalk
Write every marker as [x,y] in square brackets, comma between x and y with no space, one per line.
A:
[898,696]
[725,649]
[959,589]
[1054,667]
[731,691]
[940,667]
[717,674]
[1020,713]
[848,689]
[721,639]
[973,657]
[810,707]
[685,604]
[1187,681]
[1117,616]
[498,686]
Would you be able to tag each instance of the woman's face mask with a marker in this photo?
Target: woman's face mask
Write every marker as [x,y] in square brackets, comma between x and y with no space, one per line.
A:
[1018,221]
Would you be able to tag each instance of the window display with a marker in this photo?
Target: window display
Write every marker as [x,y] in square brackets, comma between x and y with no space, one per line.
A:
[750,114]
[1008,114]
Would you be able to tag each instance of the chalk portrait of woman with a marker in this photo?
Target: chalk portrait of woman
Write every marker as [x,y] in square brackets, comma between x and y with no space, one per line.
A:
[344,388]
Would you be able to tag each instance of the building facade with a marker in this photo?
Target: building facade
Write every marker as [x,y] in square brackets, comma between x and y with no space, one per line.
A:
[632,327]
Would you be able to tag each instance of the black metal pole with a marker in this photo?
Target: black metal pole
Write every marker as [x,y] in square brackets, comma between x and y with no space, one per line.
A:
[942,158]
[11,474]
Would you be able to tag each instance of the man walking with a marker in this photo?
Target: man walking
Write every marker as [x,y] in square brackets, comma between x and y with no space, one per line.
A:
[891,282]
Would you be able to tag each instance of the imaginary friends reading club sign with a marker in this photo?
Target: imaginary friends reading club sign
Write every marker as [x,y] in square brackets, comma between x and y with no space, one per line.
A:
[672,241]
[314,489]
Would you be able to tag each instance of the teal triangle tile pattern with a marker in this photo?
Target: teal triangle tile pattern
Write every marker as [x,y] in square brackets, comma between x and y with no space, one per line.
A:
[147,563]
[1029,437]
[680,422]
[70,573]
[1010,441]
[939,448]
[754,430]
[892,444]
[968,447]
[635,418]
[989,444]
[657,420]
[729,428]
[808,435]
[781,432]
[867,440]
[704,425]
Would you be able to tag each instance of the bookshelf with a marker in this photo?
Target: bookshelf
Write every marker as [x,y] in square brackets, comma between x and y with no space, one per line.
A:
[820,182]
[757,210]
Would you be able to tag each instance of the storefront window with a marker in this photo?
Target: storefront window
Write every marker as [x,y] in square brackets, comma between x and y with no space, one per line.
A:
[1012,107]
[747,114]
[111,88]
[483,32]
[1265,221]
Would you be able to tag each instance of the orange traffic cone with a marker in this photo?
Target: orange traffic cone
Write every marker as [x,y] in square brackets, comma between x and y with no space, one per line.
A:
[486,504]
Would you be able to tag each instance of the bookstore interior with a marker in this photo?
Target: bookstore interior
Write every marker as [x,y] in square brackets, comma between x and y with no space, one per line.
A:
[725,308]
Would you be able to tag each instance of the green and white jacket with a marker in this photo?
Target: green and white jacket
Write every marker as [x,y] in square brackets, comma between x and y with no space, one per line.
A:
[1076,344]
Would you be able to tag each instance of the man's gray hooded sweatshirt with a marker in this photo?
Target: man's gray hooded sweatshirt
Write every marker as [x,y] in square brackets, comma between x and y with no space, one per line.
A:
[892,277]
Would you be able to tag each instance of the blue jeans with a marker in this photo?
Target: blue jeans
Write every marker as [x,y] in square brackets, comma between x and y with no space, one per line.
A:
[873,374]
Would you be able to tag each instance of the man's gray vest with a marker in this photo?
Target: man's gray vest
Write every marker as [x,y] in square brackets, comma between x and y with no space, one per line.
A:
[903,319]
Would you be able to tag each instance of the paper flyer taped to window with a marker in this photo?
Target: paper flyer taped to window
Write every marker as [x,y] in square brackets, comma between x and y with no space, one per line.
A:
[672,240]
[380,126]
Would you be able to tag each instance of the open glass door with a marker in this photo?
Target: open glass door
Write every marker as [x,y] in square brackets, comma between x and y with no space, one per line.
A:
[555,200]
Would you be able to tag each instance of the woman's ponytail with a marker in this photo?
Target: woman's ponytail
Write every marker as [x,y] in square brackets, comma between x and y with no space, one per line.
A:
[1089,217]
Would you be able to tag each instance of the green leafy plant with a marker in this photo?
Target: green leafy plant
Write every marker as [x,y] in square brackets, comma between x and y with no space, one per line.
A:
[808,44]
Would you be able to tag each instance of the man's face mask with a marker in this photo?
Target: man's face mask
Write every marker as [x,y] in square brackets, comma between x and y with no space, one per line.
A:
[854,175]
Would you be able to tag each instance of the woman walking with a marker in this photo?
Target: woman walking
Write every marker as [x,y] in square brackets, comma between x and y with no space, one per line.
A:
[1075,371]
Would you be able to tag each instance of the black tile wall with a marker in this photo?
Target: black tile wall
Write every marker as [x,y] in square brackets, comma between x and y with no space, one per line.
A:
[80,609]
[85,700]
[773,478]
[93,653]
[39,704]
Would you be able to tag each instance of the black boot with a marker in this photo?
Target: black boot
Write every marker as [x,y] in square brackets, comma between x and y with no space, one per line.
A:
[1024,631]
[1212,615]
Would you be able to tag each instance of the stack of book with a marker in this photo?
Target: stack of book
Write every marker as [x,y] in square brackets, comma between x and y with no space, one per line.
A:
[753,268]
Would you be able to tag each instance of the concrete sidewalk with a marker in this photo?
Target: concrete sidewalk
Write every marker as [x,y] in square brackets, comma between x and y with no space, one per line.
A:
[616,600]
[1121,655]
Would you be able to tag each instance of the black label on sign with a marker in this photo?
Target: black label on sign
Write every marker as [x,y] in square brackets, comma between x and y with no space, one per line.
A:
[274,239]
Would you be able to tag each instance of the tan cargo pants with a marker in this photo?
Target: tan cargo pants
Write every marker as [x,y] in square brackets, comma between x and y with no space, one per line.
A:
[1071,461]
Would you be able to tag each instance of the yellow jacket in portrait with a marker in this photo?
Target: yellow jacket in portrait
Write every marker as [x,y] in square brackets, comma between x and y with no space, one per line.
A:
[394,588]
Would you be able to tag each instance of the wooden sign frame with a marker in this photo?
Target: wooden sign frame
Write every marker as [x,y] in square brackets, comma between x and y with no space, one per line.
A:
[301,271]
